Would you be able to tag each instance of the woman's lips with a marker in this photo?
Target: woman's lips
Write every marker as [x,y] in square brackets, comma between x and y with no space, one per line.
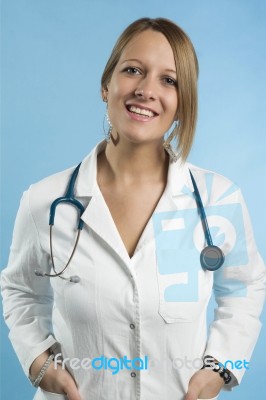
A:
[139,113]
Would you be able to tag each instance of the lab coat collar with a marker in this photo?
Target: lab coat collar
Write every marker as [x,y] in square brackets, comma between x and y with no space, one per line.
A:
[178,182]
[97,215]
[87,177]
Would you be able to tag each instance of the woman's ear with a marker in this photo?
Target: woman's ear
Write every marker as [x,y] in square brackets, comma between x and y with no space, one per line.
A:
[105,94]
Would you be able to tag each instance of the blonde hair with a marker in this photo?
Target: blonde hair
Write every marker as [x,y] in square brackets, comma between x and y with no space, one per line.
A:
[186,68]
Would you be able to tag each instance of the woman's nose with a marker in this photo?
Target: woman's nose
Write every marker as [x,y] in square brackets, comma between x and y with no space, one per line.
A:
[146,90]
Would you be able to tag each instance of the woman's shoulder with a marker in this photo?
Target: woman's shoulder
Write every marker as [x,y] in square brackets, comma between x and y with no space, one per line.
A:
[58,181]
[204,173]
[40,195]
[51,184]
[55,185]
[215,185]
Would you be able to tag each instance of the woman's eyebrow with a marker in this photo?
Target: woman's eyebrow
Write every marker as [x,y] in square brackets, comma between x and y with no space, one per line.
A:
[132,59]
[170,70]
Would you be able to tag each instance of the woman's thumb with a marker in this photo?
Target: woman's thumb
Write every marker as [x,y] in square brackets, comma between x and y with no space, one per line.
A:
[191,394]
[72,391]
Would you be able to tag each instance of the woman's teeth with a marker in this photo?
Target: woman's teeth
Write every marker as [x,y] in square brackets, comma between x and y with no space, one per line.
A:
[141,111]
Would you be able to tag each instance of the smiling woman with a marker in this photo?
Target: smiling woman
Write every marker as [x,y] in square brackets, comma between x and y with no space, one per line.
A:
[177,65]
[143,89]
[139,278]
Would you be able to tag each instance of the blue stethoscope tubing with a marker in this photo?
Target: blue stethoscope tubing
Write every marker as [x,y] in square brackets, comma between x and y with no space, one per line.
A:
[68,198]
[211,257]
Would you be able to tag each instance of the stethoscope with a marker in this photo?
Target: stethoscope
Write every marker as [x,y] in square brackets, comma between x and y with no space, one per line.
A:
[68,198]
[211,257]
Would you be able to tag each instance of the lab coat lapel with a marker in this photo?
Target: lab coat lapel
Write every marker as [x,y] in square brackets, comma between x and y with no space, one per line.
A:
[179,187]
[97,216]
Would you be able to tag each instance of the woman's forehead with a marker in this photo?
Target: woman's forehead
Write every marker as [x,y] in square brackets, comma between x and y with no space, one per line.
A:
[149,45]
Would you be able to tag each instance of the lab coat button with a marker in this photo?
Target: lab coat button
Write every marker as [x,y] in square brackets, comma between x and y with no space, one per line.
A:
[132,326]
[133,374]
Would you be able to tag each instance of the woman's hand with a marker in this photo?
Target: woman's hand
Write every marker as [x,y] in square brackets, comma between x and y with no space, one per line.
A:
[204,384]
[56,380]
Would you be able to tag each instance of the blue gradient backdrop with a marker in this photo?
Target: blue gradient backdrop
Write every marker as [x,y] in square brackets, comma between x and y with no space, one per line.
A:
[54,52]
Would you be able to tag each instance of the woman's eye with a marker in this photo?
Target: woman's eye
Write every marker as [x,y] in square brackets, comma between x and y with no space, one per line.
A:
[170,81]
[132,70]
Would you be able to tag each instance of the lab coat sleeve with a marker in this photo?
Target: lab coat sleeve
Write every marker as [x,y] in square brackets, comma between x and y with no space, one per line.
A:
[239,290]
[27,299]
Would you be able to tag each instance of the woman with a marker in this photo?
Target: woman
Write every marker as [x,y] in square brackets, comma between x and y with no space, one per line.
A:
[128,314]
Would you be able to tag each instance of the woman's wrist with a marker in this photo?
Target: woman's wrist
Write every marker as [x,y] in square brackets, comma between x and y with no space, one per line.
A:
[37,364]
[210,362]
[36,382]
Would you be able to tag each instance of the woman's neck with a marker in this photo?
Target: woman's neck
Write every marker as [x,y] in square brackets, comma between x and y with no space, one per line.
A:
[130,163]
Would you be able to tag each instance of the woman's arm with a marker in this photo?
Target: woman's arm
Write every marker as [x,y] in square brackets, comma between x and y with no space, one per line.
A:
[239,288]
[27,299]
[28,302]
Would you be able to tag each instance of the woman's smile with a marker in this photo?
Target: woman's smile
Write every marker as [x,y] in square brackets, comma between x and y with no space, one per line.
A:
[139,113]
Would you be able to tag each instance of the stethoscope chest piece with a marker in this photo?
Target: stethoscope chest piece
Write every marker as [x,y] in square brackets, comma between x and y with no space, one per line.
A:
[211,258]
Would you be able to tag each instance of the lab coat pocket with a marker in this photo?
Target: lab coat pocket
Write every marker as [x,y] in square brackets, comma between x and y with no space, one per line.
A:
[43,395]
[178,282]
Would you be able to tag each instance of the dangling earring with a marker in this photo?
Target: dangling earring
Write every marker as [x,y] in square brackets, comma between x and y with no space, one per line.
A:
[167,144]
[107,126]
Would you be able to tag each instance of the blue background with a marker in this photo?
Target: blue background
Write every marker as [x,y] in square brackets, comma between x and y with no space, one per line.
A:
[54,52]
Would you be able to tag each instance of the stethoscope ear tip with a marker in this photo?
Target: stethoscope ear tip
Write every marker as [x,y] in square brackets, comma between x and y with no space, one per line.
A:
[39,273]
[74,279]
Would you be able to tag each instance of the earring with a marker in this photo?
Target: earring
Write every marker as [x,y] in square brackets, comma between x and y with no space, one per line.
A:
[167,144]
[107,126]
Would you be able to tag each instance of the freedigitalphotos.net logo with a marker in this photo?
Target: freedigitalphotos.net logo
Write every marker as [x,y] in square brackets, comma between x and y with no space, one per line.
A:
[115,365]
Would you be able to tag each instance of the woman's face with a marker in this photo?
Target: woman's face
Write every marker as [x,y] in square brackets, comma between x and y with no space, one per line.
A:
[142,93]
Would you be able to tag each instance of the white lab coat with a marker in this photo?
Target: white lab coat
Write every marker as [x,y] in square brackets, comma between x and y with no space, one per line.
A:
[153,304]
